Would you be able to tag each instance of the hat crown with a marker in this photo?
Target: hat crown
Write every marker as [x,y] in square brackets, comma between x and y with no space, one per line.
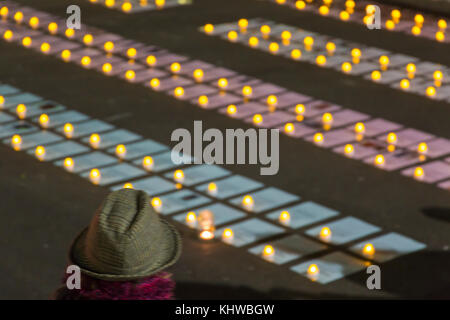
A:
[124,234]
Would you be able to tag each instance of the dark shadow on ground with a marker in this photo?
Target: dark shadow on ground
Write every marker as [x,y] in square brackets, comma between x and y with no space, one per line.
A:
[190,290]
[439,213]
[420,275]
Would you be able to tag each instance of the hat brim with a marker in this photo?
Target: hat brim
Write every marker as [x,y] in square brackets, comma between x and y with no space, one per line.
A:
[163,260]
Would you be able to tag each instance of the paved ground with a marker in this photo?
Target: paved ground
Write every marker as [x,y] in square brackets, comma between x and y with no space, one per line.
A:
[42,208]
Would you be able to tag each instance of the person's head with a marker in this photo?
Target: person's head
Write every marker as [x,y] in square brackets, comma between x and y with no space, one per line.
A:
[127,242]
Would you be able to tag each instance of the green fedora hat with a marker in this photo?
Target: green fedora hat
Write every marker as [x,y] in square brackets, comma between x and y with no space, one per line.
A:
[126,239]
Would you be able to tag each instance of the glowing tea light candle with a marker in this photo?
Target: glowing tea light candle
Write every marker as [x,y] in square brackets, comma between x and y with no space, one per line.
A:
[404,84]
[442,24]
[108,46]
[257,119]
[325,234]
[40,153]
[440,36]
[178,92]
[131,53]
[69,33]
[191,219]
[265,30]
[268,252]
[107,68]
[289,127]
[247,202]
[274,47]
[95,176]
[321,60]
[110,3]
[206,224]
[379,160]
[313,271]
[349,150]
[232,36]
[45,47]
[376,75]
[160,3]
[318,138]
[21,111]
[4,11]
[130,75]
[300,5]
[88,39]
[203,101]
[327,118]
[430,91]
[346,67]
[391,138]
[227,235]
[243,24]
[247,91]
[368,250]
[2,101]
[422,148]
[52,28]
[384,62]
[356,55]
[300,109]
[389,24]
[155,83]
[128,185]
[360,127]
[94,140]
[272,100]
[8,35]
[151,61]
[438,76]
[231,109]
[65,55]
[308,42]
[86,61]
[178,176]
[416,30]
[44,120]
[175,67]
[18,17]
[16,142]
[156,204]
[286,37]
[206,235]
[208,28]
[296,54]
[324,10]
[419,173]
[198,75]
[121,151]
[222,83]
[147,163]
[68,130]
[26,42]
[344,15]
[331,48]
[396,15]
[34,22]
[212,188]
[284,217]
[68,164]
[126,7]
[419,19]
[411,70]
